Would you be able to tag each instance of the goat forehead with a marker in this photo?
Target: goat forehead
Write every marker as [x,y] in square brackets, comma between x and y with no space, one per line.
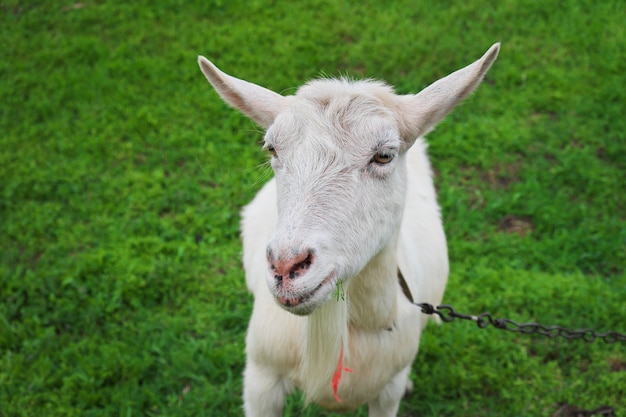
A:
[339,116]
[343,104]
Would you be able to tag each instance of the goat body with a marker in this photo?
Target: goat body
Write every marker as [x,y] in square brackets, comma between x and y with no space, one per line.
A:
[351,204]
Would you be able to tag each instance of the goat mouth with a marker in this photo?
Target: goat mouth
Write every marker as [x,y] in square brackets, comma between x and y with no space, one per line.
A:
[298,303]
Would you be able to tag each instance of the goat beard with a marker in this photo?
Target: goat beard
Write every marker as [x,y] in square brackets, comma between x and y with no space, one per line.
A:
[326,349]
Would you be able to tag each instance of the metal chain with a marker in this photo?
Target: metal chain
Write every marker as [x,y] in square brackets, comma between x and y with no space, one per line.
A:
[448,314]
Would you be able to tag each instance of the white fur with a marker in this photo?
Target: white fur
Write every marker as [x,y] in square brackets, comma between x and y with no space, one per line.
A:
[358,220]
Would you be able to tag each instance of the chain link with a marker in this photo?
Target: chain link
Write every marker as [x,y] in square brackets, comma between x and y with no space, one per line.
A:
[483,320]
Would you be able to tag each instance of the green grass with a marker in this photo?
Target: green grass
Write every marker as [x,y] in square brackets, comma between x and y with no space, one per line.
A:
[122,175]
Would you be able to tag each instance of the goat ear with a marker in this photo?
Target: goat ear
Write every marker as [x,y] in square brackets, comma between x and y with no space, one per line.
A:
[420,113]
[256,102]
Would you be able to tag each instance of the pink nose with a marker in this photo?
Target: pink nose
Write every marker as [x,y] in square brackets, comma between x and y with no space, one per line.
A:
[290,267]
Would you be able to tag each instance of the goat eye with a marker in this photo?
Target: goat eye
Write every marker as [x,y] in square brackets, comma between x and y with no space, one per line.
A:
[271,149]
[382,158]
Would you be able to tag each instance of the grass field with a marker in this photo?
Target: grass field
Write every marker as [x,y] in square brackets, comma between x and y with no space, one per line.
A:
[122,175]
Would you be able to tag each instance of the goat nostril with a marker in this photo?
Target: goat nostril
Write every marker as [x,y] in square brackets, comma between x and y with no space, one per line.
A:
[291,267]
[300,266]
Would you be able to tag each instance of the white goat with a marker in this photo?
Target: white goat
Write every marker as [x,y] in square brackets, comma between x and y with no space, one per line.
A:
[352,204]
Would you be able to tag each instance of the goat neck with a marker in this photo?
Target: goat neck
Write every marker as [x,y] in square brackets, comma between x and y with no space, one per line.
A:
[372,294]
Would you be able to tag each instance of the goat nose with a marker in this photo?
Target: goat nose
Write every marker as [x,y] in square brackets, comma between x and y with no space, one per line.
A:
[290,267]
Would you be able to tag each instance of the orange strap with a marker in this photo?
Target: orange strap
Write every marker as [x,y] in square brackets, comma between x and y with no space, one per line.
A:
[337,376]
